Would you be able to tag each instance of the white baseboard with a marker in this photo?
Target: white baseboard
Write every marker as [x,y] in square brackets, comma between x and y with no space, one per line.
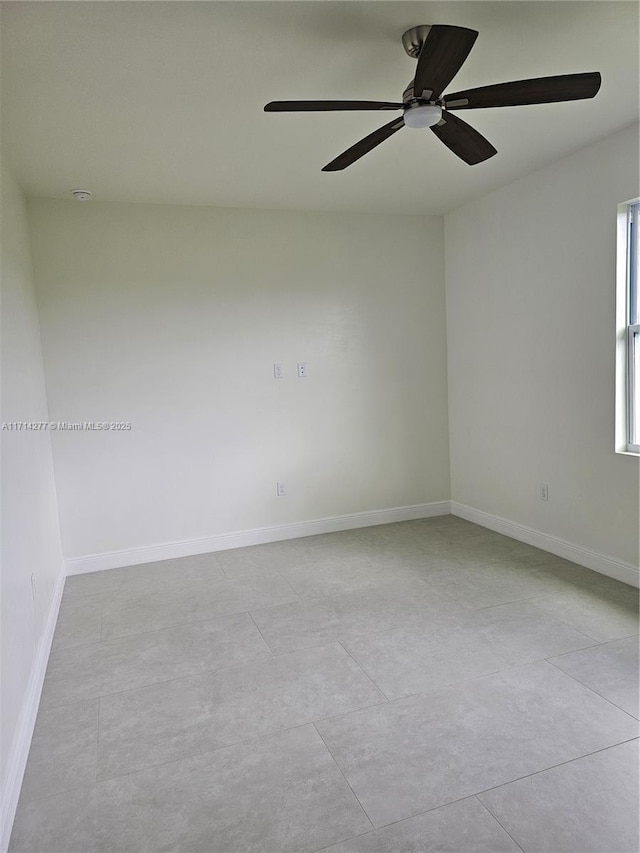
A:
[257,536]
[610,566]
[19,753]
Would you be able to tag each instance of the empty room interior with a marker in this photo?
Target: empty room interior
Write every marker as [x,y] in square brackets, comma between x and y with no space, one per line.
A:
[320,427]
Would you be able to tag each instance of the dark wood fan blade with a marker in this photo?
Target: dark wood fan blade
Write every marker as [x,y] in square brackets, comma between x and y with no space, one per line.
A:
[441,57]
[321,106]
[541,90]
[363,146]
[463,139]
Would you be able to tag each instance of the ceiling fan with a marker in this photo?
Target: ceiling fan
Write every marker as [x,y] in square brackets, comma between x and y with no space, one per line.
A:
[441,50]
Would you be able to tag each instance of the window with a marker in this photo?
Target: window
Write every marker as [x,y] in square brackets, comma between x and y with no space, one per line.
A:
[628,313]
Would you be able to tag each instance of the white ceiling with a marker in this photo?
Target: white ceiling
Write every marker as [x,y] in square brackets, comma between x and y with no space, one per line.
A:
[162,101]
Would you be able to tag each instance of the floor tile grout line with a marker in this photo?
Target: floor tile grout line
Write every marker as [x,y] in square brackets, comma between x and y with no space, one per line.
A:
[563,621]
[560,764]
[175,625]
[420,618]
[343,840]
[426,811]
[496,787]
[328,642]
[525,599]
[466,680]
[126,637]
[333,758]
[191,755]
[57,649]
[363,587]
[497,820]
[272,656]
[302,725]
[217,562]
[97,742]
[250,739]
[299,600]
[266,573]
[592,689]
[363,671]
[291,587]
[125,601]
[530,602]
[476,797]
[453,684]
[600,643]
[411,625]
[414,621]
[256,659]
[463,608]
[386,699]
[264,639]
[209,618]
[460,681]
[278,573]
[314,724]
[77,787]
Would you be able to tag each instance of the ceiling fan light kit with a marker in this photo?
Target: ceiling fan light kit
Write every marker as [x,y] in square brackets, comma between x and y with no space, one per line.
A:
[441,51]
[422,115]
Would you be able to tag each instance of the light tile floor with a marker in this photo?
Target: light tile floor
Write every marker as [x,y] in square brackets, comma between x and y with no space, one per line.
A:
[411,688]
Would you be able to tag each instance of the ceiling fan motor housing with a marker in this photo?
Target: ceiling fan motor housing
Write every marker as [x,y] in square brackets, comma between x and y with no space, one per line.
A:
[414,38]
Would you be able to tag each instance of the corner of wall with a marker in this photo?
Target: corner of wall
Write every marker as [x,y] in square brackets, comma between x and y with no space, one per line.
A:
[31,553]
[17,759]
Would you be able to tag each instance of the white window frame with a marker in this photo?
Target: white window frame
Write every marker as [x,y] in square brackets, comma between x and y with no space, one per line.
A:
[628,328]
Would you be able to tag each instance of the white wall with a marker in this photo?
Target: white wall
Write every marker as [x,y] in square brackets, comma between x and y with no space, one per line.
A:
[531,344]
[30,543]
[172,318]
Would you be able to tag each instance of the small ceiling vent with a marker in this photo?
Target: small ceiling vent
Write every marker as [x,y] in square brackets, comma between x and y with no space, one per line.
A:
[81,195]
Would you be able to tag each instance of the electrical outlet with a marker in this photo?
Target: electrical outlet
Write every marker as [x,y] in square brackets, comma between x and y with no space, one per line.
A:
[278,372]
[543,492]
[302,369]
[280,489]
